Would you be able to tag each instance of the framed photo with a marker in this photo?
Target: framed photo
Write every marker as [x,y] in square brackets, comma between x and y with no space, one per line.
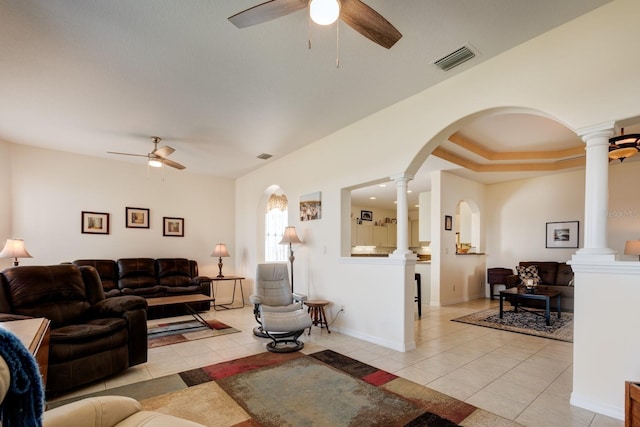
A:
[366,215]
[311,206]
[448,222]
[563,234]
[137,218]
[95,222]
[173,227]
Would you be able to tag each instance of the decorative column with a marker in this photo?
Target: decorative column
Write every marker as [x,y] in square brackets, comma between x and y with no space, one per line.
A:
[402,208]
[596,199]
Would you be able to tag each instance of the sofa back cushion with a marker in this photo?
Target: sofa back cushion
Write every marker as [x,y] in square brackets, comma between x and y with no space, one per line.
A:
[173,272]
[56,292]
[107,270]
[136,273]
[565,275]
[547,270]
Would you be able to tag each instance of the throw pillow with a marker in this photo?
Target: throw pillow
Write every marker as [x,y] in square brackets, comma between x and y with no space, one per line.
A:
[530,272]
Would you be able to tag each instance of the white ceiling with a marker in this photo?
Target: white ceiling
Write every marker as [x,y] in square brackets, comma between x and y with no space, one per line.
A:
[94,76]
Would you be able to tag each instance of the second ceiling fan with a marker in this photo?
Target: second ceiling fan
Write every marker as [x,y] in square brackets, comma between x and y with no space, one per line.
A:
[354,13]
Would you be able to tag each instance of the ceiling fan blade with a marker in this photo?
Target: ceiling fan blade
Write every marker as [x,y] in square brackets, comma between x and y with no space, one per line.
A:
[369,23]
[127,154]
[163,151]
[266,12]
[172,164]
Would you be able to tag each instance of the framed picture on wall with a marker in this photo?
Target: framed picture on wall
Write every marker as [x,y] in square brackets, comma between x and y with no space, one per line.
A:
[137,218]
[95,222]
[173,227]
[563,234]
[448,222]
[311,206]
[366,215]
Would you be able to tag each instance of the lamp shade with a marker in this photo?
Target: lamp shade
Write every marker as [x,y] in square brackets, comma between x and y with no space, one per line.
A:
[290,236]
[14,248]
[220,250]
[324,12]
[632,247]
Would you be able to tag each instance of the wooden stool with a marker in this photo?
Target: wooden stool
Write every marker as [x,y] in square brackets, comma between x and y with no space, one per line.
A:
[316,310]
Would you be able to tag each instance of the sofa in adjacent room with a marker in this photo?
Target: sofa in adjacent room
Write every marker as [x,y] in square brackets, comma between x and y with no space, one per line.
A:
[553,276]
[91,337]
[150,278]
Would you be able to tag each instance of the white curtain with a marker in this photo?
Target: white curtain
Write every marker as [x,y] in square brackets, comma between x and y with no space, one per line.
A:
[276,219]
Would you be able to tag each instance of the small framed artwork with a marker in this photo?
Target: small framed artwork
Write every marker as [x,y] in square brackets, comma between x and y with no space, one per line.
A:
[311,206]
[95,222]
[137,218]
[366,215]
[173,227]
[448,222]
[563,234]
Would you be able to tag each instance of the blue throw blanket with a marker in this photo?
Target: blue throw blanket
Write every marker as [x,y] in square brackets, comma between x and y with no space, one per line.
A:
[24,403]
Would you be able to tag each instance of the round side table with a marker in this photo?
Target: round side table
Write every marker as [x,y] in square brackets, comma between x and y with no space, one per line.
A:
[316,310]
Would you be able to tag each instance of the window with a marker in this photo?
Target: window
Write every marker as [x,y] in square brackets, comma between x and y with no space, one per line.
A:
[276,218]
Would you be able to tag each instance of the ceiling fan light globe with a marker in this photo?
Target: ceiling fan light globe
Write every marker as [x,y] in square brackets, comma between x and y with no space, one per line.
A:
[154,163]
[324,12]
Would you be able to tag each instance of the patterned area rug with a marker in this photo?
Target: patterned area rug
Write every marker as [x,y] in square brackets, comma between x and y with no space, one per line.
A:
[524,322]
[159,334]
[320,389]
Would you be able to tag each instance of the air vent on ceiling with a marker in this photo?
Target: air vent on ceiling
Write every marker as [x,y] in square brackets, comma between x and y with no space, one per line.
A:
[264,156]
[455,58]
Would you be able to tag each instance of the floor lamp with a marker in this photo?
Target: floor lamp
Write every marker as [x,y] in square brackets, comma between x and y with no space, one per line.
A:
[290,236]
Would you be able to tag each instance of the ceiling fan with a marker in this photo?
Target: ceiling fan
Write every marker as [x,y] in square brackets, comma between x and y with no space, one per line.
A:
[354,13]
[158,156]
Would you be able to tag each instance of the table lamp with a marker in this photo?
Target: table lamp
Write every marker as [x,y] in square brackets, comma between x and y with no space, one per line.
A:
[632,247]
[220,251]
[14,248]
[290,236]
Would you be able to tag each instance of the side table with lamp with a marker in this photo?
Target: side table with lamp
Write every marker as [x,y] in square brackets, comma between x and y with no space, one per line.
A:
[221,251]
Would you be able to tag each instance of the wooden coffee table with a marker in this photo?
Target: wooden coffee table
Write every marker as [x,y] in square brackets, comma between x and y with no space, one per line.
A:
[184,300]
[520,294]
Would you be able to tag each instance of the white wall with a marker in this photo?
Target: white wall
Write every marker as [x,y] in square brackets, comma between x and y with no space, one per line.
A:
[624,206]
[51,188]
[5,191]
[519,210]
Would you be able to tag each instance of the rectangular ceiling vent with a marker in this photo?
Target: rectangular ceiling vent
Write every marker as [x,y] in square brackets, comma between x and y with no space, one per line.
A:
[264,156]
[455,58]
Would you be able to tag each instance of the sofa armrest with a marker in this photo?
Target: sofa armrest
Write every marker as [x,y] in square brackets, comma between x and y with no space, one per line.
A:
[299,297]
[9,317]
[117,306]
[512,281]
[104,411]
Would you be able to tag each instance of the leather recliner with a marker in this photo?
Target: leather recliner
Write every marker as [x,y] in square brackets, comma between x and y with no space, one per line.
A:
[91,337]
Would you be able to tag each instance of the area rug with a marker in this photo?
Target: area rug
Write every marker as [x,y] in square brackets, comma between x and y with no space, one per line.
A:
[524,322]
[320,389]
[159,334]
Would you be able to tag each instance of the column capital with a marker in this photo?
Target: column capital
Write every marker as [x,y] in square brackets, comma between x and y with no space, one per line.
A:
[602,130]
[402,177]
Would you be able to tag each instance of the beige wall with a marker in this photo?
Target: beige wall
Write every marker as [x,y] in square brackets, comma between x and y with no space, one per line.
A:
[50,189]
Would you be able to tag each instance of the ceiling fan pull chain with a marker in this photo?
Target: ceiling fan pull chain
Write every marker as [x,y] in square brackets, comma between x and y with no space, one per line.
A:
[309,27]
[338,44]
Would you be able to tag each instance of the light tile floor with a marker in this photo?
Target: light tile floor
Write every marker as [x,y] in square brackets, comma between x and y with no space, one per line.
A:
[520,377]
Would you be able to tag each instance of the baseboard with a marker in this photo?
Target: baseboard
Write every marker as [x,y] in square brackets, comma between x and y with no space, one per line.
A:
[393,345]
[588,404]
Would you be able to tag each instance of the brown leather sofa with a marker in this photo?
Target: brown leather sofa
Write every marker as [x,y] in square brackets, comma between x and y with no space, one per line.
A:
[91,337]
[557,276]
[149,278]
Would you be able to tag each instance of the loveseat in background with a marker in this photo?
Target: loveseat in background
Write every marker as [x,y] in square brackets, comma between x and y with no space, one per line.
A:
[150,278]
[554,276]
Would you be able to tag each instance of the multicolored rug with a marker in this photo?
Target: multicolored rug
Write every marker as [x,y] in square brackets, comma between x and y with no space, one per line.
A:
[524,322]
[159,334]
[293,389]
